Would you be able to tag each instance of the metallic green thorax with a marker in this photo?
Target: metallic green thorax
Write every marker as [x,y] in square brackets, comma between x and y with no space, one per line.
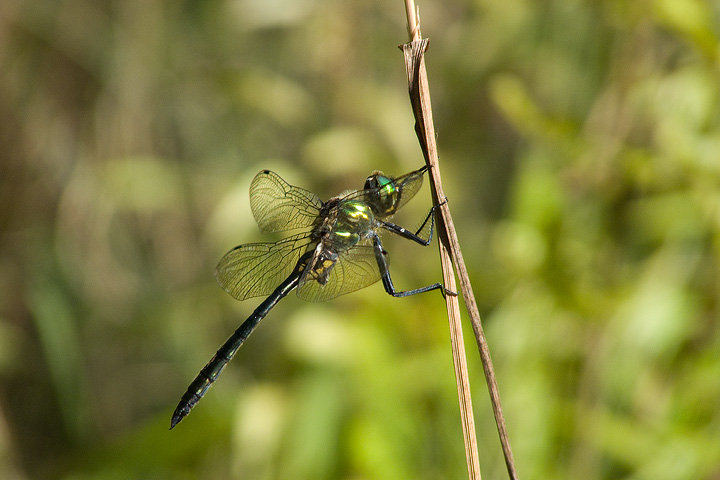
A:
[347,220]
[354,219]
[346,223]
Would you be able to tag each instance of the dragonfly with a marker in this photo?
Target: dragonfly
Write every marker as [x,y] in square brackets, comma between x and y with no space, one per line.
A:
[338,251]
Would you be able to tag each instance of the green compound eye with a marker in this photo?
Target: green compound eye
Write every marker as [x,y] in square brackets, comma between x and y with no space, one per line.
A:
[382,194]
[388,185]
[383,181]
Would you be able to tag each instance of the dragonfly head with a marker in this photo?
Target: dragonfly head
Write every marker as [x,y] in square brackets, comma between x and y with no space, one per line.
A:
[382,194]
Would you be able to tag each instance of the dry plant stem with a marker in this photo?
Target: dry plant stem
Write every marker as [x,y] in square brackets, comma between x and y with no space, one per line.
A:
[412,20]
[420,99]
[413,60]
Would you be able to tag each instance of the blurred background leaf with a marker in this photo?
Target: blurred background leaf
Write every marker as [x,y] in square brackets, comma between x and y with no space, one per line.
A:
[580,147]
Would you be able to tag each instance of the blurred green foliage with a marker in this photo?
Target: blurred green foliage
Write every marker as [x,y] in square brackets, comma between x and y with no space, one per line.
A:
[580,149]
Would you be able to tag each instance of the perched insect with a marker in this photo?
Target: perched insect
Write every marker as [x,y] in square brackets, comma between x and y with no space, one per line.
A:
[339,252]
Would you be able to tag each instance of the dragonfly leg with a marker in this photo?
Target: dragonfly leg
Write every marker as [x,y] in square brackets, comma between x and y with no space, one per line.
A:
[415,237]
[387,281]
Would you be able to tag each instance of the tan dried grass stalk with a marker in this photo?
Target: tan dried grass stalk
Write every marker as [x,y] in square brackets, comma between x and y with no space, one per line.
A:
[450,255]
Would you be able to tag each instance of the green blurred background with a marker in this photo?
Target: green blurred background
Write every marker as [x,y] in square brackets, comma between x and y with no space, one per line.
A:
[580,149]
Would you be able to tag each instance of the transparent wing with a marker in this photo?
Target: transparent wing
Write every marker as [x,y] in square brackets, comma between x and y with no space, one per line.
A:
[409,184]
[355,268]
[278,206]
[256,269]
